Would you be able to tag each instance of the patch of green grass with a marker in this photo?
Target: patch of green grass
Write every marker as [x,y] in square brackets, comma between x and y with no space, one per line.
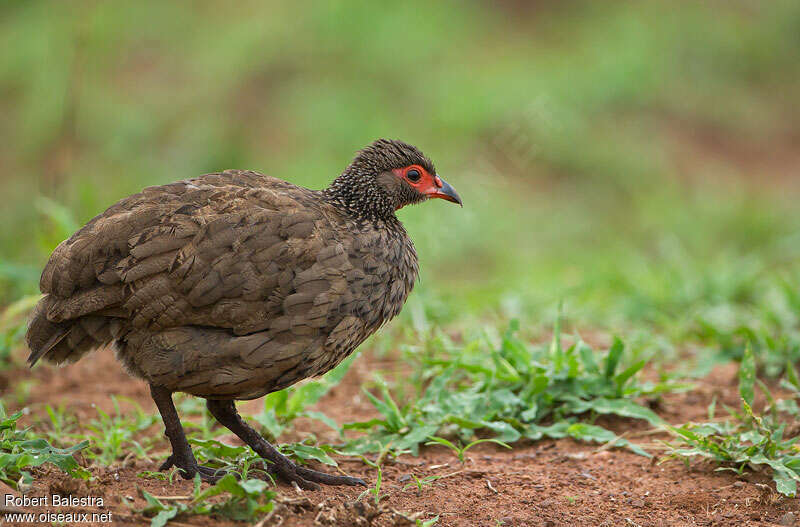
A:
[233,457]
[512,390]
[20,450]
[459,450]
[283,407]
[60,424]
[245,500]
[420,483]
[111,437]
[747,440]
[766,317]
[116,436]
[375,490]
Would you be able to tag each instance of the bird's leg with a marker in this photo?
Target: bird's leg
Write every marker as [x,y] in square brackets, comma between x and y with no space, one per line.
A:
[182,455]
[225,412]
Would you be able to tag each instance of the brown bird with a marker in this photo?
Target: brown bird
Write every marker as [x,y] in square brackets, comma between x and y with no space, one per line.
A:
[234,285]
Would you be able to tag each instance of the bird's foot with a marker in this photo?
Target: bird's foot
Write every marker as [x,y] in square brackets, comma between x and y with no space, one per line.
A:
[324,478]
[289,472]
[279,466]
[188,467]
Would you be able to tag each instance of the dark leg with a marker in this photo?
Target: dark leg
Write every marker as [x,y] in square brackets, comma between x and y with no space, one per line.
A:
[225,412]
[182,456]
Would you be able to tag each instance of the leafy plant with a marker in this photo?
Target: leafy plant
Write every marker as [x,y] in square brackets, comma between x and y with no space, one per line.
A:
[18,451]
[512,391]
[459,450]
[420,483]
[375,490]
[221,455]
[746,439]
[114,436]
[149,474]
[284,406]
[61,424]
[246,500]
[771,330]
[111,437]
[307,450]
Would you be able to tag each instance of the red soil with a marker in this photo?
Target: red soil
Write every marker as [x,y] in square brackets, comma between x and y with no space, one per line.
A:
[548,483]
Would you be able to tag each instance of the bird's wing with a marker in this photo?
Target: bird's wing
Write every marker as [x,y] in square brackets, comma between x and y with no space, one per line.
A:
[233,250]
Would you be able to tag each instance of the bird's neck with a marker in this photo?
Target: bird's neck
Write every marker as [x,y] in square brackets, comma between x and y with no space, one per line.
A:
[359,196]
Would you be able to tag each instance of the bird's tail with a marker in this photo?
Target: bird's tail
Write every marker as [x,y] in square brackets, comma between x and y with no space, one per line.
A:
[43,335]
[66,341]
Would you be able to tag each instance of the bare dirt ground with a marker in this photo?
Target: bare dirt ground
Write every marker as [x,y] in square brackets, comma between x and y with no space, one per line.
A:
[548,483]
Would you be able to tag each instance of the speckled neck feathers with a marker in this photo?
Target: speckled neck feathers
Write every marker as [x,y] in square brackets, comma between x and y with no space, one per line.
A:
[358,190]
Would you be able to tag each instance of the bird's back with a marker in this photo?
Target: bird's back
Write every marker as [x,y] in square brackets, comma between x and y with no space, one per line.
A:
[213,285]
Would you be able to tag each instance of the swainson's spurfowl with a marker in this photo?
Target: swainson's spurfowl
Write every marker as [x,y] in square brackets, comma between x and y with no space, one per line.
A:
[234,285]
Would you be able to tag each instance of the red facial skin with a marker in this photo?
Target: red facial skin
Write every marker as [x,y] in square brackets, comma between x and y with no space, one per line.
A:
[428,184]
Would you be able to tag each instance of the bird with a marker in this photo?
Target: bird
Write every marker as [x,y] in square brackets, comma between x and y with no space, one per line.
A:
[233,285]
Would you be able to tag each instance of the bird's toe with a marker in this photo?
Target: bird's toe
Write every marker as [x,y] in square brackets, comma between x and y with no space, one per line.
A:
[188,468]
[213,475]
[167,464]
[328,479]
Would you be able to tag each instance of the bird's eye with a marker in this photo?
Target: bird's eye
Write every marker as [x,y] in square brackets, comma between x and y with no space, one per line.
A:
[413,175]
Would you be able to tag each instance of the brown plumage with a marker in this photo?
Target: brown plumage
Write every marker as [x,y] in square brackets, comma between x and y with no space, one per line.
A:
[234,285]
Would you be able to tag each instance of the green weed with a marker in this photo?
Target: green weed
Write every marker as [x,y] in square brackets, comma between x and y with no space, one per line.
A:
[460,450]
[117,436]
[420,483]
[233,457]
[149,474]
[747,440]
[19,451]
[245,500]
[510,391]
[375,490]
[283,407]
[61,424]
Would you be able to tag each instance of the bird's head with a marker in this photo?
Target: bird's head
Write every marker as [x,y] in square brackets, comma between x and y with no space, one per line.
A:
[386,176]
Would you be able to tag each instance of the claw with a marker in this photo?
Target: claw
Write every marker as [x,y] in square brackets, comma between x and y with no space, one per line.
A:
[212,475]
[309,479]
[167,464]
[328,479]
[279,466]
[188,469]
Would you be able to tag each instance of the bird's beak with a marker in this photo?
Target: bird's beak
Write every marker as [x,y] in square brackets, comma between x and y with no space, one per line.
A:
[443,190]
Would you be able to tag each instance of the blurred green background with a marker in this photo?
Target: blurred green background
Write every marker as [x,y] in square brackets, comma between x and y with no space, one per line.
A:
[637,161]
